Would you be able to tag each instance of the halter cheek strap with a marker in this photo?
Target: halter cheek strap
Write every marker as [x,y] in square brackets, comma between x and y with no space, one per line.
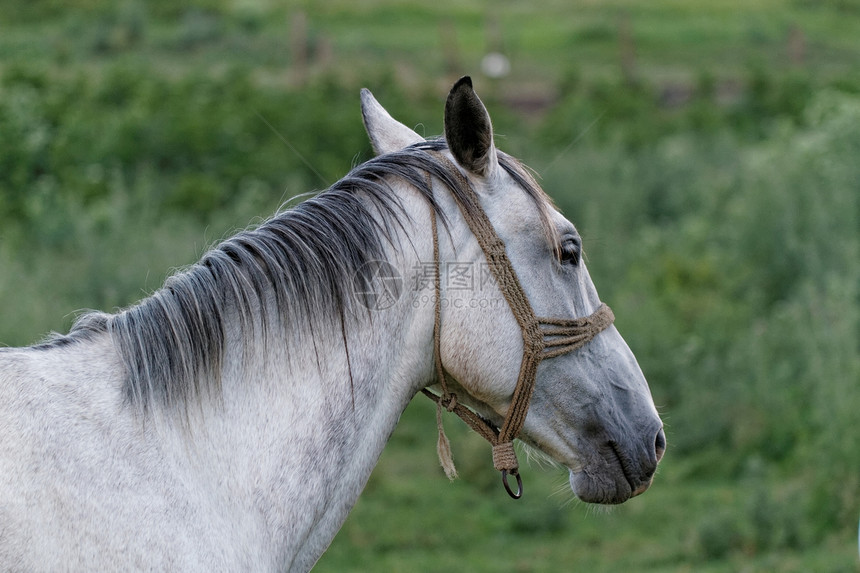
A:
[542,338]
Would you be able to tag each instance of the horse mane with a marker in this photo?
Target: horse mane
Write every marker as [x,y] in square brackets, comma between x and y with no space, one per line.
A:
[300,263]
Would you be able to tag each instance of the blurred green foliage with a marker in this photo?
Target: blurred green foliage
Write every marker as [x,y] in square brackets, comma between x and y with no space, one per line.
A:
[719,205]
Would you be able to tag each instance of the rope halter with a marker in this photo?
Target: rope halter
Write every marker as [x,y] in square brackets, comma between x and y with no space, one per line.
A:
[542,338]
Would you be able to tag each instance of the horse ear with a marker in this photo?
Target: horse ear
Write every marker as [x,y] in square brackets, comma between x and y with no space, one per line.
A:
[468,129]
[386,133]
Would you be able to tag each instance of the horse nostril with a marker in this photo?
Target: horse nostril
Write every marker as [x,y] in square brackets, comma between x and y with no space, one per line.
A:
[660,444]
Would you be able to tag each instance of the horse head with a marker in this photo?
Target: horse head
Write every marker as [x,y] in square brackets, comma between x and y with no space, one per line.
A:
[590,407]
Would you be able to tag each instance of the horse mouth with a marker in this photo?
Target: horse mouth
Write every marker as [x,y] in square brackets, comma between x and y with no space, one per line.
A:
[637,485]
[611,480]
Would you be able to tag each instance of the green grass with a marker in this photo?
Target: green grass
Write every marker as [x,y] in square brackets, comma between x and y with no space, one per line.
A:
[545,40]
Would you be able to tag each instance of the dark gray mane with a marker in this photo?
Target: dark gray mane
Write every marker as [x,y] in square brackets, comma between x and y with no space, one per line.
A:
[304,259]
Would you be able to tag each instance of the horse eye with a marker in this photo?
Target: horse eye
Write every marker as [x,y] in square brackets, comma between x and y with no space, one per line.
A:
[571,250]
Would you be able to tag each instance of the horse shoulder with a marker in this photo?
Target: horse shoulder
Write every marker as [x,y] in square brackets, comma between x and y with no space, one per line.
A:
[88,483]
[46,410]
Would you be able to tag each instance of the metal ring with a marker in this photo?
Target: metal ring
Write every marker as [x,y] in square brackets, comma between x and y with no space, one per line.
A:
[515,473]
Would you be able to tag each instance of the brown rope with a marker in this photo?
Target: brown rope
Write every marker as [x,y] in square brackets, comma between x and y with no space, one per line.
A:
[448,399]
[574,333]
[563,335]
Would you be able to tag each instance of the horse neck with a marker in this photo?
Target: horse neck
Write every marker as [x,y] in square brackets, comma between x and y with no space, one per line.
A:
[306,428]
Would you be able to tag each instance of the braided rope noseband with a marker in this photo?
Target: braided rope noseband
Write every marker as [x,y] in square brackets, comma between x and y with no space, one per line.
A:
[542,338]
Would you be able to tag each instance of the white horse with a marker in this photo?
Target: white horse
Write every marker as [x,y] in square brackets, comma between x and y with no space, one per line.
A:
[230,421]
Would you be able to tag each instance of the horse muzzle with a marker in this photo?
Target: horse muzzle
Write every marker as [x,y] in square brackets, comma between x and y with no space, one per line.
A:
[613,475]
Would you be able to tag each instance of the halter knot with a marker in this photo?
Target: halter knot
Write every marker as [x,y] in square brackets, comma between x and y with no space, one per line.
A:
[448,401]
[505,458]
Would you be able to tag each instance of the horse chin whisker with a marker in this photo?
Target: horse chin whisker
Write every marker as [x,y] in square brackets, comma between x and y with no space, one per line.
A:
[597,509]
[565,495]
[536,457]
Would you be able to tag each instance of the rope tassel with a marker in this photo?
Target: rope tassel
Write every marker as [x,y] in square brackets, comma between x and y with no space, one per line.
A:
[443,447]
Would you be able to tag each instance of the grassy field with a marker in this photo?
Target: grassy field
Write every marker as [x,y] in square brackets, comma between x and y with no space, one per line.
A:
[706,151]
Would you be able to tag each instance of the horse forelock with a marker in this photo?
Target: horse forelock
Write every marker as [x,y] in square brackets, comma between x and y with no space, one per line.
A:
[297,268]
